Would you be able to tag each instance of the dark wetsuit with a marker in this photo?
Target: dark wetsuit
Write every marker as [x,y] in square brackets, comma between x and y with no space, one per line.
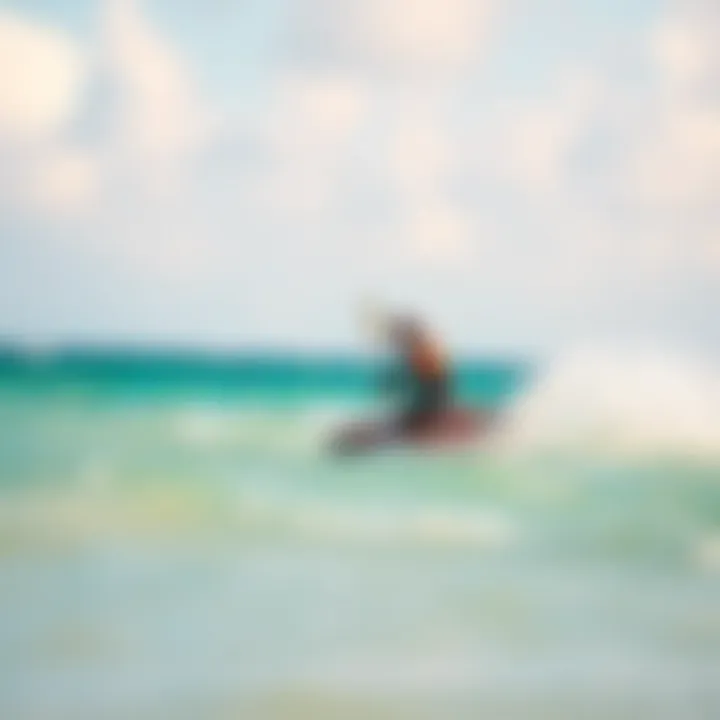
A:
[424,385]
[427,400]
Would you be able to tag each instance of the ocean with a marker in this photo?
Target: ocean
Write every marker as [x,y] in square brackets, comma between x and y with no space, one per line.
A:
[175,542]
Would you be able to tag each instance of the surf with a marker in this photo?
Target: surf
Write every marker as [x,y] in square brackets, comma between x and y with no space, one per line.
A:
[612,400]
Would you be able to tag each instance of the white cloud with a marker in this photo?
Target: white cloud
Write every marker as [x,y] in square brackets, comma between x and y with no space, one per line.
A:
[538,141]
[421,158]
[142,210]
[158,123]
[685,45]
[430,35]
[657,170]
[126,192]
[306,135]
[161,241]
[436,233]
[161,121]
[676,162]
[65,181]
[414,40]
[420,154]
[315,113]
[42,73]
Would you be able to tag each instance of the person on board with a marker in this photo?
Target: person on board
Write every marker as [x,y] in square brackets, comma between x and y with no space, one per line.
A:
[421,375]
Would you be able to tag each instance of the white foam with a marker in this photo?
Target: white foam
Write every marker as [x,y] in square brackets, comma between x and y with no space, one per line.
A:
[95,475]
[707,553]
[203,425]
[639,402]
[282,428]
[479,528]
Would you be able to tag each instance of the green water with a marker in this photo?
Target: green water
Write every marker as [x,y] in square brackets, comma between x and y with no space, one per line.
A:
[174,543]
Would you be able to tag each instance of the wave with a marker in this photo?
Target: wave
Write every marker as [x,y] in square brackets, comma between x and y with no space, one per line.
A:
[318,519]
[633,402]
[608,401]
[297,430]
[101,510]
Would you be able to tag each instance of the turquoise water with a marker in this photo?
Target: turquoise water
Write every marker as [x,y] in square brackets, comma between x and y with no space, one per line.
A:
[175,543]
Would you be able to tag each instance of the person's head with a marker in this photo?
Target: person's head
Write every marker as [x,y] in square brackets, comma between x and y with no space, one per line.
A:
[404,330]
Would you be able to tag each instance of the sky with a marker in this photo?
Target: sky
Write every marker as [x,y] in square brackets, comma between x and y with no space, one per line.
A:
[529,175]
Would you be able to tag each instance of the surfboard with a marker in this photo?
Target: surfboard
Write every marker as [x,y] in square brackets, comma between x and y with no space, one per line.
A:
[457,427]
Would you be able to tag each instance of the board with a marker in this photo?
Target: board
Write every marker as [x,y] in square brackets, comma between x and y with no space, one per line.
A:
[456,427]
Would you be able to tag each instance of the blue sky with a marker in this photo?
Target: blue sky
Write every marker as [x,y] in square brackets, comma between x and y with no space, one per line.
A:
[531,175]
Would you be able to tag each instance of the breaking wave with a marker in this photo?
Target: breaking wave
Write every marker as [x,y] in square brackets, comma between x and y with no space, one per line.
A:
[633,402]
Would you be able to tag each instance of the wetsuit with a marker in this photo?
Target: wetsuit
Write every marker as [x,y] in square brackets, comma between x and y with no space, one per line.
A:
[425,385]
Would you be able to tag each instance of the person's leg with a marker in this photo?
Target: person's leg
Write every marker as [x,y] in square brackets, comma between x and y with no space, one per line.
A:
[428,405]
[434,400]
[417,416]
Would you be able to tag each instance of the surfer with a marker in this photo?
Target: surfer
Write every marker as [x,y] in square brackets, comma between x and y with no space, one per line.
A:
[419,381]
[420,375]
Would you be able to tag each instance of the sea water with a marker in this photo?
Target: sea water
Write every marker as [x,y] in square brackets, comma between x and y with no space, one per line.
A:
[176,543]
